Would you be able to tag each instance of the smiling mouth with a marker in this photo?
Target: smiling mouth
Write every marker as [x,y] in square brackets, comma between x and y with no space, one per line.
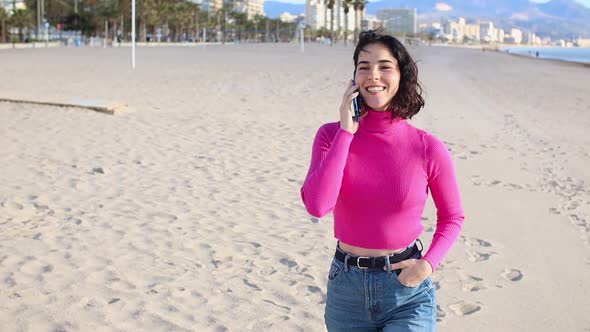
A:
[374,89]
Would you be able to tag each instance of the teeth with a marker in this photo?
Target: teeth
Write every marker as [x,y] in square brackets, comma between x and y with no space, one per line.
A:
[375,89]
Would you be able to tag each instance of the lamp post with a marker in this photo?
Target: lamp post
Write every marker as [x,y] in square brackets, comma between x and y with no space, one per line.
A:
[133,34]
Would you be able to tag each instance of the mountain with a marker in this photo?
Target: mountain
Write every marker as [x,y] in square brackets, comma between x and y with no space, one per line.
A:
[556,18]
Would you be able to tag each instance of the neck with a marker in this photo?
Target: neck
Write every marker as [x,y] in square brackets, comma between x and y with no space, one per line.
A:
[379,121]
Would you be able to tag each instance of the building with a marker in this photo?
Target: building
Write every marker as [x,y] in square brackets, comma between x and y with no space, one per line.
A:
[212,5]
[9,5]
[529,38]
[317,16]
[487,32]
[399,20]
[500,35]
[516,34]
[452,31]
[250,7]
[370,22]
[472,32]
[254,7]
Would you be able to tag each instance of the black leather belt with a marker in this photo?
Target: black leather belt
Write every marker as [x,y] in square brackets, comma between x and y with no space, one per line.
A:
[378,262]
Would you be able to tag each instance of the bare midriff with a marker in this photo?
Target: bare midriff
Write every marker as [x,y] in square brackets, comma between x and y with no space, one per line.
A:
[358,251]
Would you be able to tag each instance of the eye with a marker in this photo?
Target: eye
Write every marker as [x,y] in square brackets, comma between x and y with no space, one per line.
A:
[362,68]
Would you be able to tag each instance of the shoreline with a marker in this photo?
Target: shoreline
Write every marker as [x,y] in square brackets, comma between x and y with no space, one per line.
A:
[499,49]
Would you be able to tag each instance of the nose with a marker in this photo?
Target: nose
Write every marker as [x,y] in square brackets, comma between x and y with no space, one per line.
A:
[374,74]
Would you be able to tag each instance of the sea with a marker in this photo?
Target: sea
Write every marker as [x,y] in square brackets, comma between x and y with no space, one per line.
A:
[572,54]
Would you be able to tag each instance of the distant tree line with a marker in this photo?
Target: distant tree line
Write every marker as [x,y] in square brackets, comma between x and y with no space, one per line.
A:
[162,20]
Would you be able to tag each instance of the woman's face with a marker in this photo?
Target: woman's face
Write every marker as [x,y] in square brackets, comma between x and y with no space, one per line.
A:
[377,75]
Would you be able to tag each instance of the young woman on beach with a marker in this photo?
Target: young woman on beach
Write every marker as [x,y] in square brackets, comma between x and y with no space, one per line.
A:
[375,175]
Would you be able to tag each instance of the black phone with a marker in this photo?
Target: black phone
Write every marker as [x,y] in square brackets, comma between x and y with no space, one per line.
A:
[357,102]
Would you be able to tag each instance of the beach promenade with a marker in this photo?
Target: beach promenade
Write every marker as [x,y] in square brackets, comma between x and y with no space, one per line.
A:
[182,213]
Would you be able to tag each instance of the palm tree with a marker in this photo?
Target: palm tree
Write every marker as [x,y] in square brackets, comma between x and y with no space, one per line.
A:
[21,19]
[347,4]
[3,18]
[180,20]
[359,7]
[330,5]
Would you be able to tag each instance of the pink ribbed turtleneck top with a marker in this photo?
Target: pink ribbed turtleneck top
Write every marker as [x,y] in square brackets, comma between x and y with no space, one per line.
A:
[376,182]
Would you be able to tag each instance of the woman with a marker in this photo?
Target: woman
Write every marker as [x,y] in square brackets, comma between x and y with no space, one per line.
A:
[375,176]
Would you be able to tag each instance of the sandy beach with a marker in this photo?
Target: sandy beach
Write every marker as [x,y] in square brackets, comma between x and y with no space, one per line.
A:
[183,212]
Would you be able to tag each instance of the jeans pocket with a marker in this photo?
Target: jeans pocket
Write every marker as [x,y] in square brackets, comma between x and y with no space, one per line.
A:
[395,277]
[336,271]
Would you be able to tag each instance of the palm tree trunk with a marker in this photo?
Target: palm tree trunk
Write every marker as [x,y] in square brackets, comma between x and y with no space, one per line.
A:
[356,22]
[3,37]
[332,26]
[325,14]
[346,25]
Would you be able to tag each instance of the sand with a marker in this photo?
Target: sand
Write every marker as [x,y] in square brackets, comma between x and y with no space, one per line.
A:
[183,213]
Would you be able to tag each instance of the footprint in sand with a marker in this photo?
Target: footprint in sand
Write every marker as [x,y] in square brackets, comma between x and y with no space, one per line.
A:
[475,256]
[476,180]
[470,283]
[464,308]
[494,183]
[512,274]
[251,285]
[288,263]
[440,314]
[436,285]
[474,242]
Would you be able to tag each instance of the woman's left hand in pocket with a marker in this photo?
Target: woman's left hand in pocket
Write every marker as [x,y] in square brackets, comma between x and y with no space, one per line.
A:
[414,271]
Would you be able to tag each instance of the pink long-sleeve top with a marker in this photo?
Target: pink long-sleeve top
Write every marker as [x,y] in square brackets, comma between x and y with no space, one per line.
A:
[376,182]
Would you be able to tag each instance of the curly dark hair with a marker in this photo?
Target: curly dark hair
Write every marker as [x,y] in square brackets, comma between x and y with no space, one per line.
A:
[408,100]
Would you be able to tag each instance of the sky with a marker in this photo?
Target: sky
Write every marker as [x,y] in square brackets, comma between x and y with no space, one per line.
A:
[584,2]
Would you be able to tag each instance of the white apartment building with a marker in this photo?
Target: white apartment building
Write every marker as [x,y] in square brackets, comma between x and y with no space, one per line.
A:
[487,32]
[211,5]
[472,31]
[9,5]
[500,35]
[517,35]
[254,7]
[317,16]
[250,7]
[399,20]
[458,31]
[370,22]
[529,38]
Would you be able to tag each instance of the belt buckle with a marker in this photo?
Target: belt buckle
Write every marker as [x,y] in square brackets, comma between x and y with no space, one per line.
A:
[357,263]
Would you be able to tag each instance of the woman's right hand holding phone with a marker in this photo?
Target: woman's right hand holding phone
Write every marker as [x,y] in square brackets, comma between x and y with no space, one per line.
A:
[347,121]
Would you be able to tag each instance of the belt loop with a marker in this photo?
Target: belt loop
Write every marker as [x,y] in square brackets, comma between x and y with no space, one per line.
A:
[346,258]
[388,264]
[421,245]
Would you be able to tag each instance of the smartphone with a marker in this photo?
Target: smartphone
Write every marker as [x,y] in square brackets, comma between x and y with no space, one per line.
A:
[356,102]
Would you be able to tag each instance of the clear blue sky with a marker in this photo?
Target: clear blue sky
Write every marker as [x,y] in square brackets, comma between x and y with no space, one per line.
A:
[584,2]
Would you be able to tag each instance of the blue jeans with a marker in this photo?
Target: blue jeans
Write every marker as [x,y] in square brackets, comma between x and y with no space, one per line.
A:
[375,300]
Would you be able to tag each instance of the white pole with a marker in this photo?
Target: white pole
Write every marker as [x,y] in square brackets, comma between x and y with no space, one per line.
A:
[133,34]
[302,33]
